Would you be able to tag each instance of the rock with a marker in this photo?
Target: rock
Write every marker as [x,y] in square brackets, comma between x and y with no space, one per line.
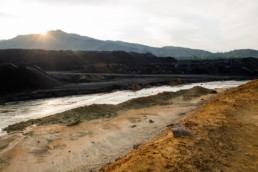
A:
[52,137]
[170,125]
[39,149]
[151,121]
[72,122]
[180,130]
[181,114]
[136,146]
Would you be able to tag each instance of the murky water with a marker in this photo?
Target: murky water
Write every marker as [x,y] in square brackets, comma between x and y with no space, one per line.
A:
[21,111]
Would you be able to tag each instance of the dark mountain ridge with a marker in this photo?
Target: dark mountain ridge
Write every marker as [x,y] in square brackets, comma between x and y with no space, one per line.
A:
[59,40]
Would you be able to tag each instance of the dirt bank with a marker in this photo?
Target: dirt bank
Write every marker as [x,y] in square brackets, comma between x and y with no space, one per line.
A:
[224,138]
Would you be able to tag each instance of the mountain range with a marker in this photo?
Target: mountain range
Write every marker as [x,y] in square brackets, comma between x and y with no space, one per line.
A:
[59,40]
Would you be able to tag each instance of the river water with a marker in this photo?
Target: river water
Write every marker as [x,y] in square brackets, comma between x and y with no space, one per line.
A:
[14,112]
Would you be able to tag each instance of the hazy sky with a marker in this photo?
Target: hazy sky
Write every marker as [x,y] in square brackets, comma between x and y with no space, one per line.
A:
[215,25]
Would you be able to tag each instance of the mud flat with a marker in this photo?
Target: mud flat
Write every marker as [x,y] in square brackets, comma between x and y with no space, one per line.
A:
[223,138]
[89,137]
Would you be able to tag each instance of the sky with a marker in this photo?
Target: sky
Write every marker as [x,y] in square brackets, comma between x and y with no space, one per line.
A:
[213,25]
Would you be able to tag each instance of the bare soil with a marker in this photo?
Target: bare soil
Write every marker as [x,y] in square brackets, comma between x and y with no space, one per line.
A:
[224,138]
[90,144]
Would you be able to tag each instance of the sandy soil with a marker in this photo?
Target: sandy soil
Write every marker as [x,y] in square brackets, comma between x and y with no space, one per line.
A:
[224,138]
[91,144]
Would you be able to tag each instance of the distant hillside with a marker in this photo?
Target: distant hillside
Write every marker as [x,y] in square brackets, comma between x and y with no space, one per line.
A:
[59,40]
[237,54]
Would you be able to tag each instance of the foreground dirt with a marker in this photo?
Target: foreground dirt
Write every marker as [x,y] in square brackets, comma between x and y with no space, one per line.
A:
[89,145]
[225,132]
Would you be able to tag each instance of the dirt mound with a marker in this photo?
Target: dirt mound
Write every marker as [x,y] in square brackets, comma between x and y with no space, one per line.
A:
[196,92]
[224,138]
[14,78]
[163,98]
[91,112]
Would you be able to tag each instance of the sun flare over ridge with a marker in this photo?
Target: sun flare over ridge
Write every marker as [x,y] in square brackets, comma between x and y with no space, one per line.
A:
[43,33]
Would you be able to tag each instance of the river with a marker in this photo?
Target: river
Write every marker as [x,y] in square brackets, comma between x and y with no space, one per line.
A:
[15,112]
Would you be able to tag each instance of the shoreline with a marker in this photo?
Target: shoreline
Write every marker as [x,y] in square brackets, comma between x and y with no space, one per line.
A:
[114,85]
[96,111]
[27,110]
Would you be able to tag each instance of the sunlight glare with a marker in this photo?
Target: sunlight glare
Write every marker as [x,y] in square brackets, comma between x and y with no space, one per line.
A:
[43,33]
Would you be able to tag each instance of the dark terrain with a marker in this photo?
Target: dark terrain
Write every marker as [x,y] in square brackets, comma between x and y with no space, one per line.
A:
[21,78]
[30,74]
[126,63]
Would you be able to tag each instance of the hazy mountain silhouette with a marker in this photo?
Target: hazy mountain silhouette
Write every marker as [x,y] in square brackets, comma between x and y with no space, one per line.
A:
[59,40]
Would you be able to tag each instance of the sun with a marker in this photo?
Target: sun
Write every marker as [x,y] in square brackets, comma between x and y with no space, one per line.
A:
[43,33]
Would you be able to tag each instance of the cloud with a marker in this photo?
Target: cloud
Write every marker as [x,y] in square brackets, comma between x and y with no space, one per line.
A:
[2,14]
[215,25]
[6,16]
[75,2]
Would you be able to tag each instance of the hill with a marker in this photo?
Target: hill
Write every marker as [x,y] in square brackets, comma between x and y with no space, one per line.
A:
[77,60]
[126,63]
[59,40]
[15,78]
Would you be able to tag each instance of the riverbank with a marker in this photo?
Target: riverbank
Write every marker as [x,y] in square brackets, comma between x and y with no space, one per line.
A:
[15,112]
[106,84]
[223,138]
[55,145]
